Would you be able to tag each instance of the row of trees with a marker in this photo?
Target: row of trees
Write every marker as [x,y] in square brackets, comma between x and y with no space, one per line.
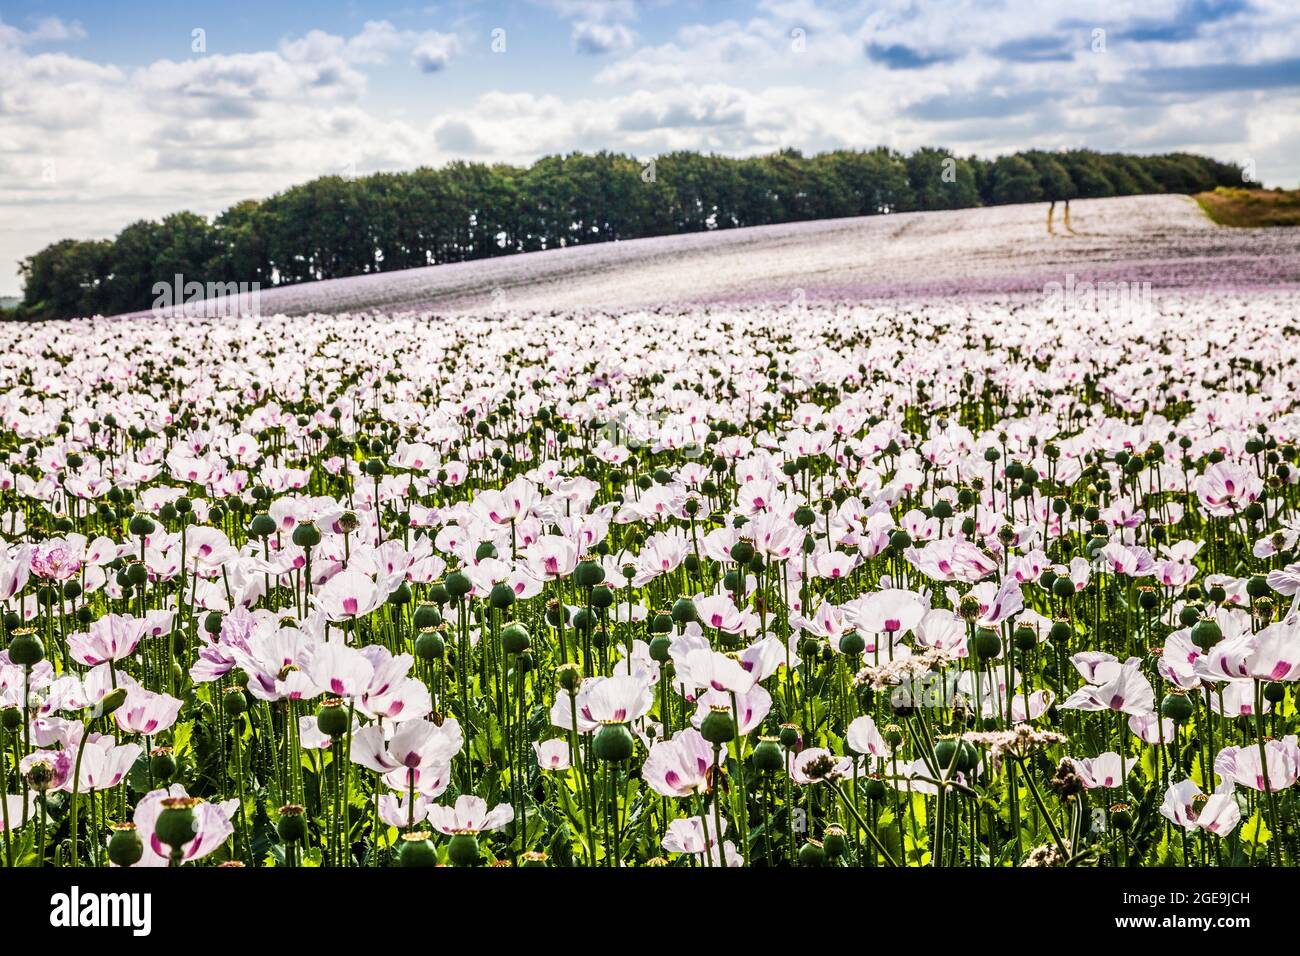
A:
[336,226]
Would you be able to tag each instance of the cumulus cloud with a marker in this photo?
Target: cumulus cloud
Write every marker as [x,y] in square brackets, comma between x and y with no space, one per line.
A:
[87,145]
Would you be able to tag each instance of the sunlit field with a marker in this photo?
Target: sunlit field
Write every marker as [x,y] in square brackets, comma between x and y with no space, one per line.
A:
[974,582]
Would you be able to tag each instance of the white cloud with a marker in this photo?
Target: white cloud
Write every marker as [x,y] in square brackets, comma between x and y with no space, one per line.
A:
[87,147]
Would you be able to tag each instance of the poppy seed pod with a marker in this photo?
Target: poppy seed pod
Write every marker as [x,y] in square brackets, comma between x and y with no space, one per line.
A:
[234,702]
[176,824]
[568,676]
[589,573]
[306,535]
[1025,638]
[812,853]
[125,848]
[25,648]
[1063,587]
[458,584]
[659,648]
[262,525]
[425,615]
[1275,692]
[767,755]
[986,644]
[1176,706]
[418,850]
[463,849]
[852,644]
[162,764]
[718,727]
[683,611]
[834,842]
[291,827]
[953,753]
[332,718]
[501,596]
[429,645]
[136,574]
[11,719]
[514,638]
[613,743]
[602,597]
[789,736]
[1206,633]
[141,526]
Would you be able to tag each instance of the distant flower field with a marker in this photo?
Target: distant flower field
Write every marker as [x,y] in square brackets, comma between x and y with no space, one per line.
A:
[956,583]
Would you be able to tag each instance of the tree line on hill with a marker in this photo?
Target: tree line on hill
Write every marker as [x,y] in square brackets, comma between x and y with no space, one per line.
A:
[337,226]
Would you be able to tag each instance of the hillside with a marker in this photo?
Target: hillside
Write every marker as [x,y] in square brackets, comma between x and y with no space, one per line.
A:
[1164,240]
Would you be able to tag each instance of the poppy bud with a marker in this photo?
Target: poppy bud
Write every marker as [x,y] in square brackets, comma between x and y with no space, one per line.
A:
[111,701]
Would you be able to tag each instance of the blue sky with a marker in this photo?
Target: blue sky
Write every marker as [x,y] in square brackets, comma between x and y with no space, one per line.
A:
[110,112]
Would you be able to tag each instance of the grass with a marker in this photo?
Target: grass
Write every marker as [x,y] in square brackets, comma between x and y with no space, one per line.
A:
[1251,207]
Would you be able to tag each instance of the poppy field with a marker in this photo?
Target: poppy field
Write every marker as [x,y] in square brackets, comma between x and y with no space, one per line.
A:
[971,582]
